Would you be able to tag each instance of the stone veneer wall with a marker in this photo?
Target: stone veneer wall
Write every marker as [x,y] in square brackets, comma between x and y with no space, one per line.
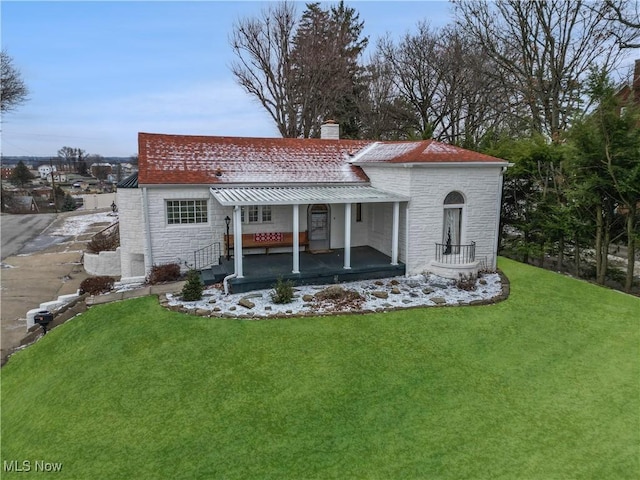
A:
[428,186]
[129,201]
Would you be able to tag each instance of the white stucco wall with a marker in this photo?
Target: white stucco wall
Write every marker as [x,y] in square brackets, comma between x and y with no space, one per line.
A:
[428,186]
[103,263]
[132,241]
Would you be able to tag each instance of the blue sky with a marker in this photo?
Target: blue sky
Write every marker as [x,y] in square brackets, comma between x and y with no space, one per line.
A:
[100,72]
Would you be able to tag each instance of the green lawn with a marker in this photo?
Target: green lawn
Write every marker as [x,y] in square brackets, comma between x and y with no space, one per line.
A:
[545,385]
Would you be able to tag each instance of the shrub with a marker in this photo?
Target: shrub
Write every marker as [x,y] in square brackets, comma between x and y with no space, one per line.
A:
[466,282]
[96,285]
[192,290]
[169,272]
[106,241]
[68,204]
[282,291]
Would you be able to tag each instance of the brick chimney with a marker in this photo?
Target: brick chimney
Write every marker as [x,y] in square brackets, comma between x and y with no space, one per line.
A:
[330,130]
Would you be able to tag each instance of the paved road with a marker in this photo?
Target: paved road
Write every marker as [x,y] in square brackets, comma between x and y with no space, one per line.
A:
[18,230]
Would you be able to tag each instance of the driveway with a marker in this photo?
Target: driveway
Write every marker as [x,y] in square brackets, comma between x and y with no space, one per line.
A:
[44,263]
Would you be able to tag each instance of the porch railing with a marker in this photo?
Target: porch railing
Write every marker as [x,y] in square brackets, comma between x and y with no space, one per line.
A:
[207,256]
[455,254]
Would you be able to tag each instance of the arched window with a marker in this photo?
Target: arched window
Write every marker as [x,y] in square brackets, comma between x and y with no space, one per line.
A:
[452,228]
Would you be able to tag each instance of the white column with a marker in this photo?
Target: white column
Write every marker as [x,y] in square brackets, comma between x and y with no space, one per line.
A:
[395,233]
[347,236]
[237,243]
[296,239]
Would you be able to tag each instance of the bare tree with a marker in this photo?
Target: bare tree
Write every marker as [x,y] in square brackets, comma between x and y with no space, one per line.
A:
[384,113]
[13,90]
[627,15]
[302,71]
[73,159]
[543,50]
[263,68]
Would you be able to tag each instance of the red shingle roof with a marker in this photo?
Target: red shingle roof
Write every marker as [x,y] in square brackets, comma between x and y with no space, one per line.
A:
[184,159]
[425,151]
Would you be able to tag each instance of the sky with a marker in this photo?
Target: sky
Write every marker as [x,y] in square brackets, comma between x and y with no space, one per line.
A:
[100,72]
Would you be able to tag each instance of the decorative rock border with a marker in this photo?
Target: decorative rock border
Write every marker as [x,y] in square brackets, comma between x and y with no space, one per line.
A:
[246,302]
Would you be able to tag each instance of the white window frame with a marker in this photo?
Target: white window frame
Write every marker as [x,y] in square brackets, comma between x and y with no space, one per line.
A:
[186,211]
[453,211]
[263,214]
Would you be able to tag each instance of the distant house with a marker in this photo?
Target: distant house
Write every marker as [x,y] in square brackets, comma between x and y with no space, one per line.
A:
[45,170]
[630,92]
[382,208]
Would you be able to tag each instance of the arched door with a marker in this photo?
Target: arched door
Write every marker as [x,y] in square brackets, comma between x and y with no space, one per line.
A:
[319,227]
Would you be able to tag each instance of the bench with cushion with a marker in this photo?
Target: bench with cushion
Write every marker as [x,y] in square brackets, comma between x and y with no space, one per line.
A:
[269,240]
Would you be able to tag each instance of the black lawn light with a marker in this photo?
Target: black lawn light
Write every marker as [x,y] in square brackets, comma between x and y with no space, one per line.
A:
[43,318]
[227,220]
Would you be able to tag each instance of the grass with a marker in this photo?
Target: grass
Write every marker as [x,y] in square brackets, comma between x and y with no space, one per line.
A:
[544,385]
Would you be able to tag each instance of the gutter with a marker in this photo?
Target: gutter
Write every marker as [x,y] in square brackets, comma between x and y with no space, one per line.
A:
[148,257]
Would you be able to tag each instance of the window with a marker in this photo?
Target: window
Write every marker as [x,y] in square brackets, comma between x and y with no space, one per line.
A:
[256,214]
[186,211]
[266,213]
[358,212]
[452,229]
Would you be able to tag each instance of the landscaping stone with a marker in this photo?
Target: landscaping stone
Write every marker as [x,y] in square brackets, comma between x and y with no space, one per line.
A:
[202,312]
[379,283]
[427,290]
[438,300]
[380,294]
[307,298]
[395,291]
[268,308]
[232,309]
[332,291]
[246,303]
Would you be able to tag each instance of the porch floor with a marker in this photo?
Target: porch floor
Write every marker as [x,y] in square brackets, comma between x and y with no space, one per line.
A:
[262,271]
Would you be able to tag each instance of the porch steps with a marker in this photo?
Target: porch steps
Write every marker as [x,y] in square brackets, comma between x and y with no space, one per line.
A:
[212,275]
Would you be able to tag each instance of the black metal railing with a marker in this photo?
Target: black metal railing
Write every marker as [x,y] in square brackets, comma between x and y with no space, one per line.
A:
[207,256]
[455,254]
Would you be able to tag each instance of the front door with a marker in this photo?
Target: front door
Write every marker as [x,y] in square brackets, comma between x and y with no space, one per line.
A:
[318,221]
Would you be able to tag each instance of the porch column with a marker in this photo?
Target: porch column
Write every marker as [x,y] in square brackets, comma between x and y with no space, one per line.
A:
[347,236]
[296,239]
[395,233]
[237,242]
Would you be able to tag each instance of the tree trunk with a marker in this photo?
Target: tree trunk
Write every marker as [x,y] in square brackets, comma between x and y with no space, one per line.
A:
[631,247]
[599,235]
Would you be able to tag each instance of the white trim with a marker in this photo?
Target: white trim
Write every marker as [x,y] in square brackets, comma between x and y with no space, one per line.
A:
[148,258]
[347,236]
[433,164]
[237,242]
[263,195]
[395,234]
[296,239]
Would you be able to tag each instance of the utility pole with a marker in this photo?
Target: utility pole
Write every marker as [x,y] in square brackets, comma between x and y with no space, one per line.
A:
[53,184]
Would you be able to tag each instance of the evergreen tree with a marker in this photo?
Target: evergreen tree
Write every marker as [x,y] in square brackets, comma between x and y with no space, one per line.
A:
[192,290]
[69,204]
[606,171]
[21,175]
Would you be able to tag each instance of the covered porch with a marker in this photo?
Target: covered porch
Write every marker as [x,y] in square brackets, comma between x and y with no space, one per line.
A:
[263,271]
[334,261]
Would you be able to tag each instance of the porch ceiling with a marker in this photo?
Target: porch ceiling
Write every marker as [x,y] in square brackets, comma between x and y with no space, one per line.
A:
[231,196]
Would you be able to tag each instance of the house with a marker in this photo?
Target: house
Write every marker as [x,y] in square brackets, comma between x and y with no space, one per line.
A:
[380,208]
[45,170]
[630,92]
